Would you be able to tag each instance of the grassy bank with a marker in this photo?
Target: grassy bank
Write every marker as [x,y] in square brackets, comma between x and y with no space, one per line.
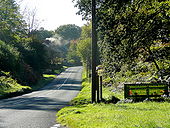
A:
[9,87]
[12,88]
[83,114]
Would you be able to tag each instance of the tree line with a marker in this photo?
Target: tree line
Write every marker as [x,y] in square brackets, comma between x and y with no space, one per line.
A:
[133,42]
[26,54]
[133,39]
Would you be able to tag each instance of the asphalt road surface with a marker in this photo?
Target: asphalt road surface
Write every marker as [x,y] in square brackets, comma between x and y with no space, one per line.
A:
[38,109]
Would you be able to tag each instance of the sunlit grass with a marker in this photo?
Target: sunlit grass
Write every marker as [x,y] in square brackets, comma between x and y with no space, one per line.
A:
[83,114]
[9,86]
[48,76]
[136,115]
[13,88]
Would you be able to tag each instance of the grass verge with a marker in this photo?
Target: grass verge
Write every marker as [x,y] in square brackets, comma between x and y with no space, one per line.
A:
[136,115]
[83,114]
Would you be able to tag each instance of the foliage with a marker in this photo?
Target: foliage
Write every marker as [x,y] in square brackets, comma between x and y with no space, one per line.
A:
[72,56]
[9,56]
[9,85]
[36,56]
[84,7]
[134,29]
[69,31]
[84,46]
[131,32]
[57,49]
[11,23]
[84,50]
[23,54]
[41,34]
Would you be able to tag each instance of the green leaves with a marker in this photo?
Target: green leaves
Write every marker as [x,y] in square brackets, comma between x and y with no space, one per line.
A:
[128,30]
[131,28]
[9,56]
[69,32]
[72,55]
[84,45]
[26,58]
[9,85]
[10,20]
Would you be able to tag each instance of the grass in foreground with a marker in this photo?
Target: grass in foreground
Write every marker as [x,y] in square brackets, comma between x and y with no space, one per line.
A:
[136,115]
[83,114]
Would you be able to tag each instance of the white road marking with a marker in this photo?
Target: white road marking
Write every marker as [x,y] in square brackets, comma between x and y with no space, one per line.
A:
[56,126]
[64,81]
[45,93]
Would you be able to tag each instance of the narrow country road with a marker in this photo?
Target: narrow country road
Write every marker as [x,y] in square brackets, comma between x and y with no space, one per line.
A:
[38,109]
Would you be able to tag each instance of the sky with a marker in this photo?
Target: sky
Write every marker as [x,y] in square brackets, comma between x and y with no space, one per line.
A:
[53,13]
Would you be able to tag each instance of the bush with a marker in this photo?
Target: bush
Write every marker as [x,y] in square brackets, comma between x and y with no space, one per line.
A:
[9,57]
[10,86]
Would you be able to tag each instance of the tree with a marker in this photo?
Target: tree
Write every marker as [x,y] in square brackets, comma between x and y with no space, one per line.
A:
[72,56]
[9,57]
[57,49]
[84,47]
[131,31]
[30,17]
[23,56]
[69,31]
[41,34]
[84,6]
[11,23]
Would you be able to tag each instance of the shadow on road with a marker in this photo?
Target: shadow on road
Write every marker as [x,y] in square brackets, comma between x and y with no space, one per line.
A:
[75,88]
[34,103]
[43,102]
[70,72]
[64,84]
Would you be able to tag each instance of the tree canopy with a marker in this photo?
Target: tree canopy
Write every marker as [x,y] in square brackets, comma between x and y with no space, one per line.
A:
[69,31]
[22,54]
[130,32]
[84,46]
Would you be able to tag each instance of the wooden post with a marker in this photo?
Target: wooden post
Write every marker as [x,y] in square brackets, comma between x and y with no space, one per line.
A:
[166,90]
[125,91]
[97,89]
[94,51]
[101,97]
[147,91]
